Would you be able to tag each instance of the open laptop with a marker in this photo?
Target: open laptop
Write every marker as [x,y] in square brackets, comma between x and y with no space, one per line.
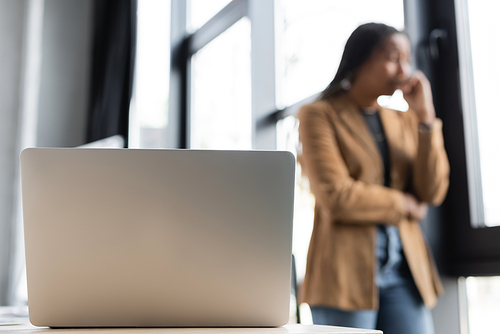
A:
[154,238]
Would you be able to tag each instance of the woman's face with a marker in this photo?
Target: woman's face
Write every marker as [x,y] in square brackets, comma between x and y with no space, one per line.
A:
[387,69]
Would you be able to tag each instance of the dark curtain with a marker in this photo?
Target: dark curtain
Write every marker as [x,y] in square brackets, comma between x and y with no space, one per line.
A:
[115,23]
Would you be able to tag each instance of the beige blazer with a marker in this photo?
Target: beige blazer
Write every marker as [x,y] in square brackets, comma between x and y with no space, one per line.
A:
[346,175]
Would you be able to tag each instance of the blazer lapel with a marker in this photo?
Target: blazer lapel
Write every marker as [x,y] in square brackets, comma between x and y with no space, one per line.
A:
[355,123]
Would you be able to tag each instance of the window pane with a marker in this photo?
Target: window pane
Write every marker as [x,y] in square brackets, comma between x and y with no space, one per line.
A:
[149,115]
[483,21]
[314,36]
[221,91]
[288,140]
[483,301]
[200,11]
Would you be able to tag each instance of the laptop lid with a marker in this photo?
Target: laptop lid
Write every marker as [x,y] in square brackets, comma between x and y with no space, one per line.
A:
[121,237]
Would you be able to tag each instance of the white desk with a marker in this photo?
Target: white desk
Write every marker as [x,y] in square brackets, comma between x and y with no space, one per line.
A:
[288,329]
[14,320]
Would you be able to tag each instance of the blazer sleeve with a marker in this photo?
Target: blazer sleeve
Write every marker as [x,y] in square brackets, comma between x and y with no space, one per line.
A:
[348,200]
[431,168]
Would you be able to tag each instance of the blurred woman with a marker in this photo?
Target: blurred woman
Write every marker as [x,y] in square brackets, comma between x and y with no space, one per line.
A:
[372,170]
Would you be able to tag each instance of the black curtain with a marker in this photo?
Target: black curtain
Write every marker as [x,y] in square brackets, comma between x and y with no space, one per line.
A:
[113,58]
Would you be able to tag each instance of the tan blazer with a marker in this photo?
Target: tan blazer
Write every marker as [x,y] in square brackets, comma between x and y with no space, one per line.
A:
[346,175]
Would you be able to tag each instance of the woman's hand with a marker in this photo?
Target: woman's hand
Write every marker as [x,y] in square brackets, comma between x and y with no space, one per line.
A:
[415,210]
[417,92]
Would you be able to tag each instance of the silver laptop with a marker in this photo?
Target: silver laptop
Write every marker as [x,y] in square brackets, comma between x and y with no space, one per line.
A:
[154,238]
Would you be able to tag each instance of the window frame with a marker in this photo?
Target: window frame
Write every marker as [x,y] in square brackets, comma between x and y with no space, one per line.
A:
[459,248]
[464,249]
[185,45]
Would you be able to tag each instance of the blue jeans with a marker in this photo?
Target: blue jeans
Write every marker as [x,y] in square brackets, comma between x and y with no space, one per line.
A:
[401,311]
[401,308]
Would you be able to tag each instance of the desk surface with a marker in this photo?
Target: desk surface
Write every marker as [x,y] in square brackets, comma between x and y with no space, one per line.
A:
[287,329]
[15,320]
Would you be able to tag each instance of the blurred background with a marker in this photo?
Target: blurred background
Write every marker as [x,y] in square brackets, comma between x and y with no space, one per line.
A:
[221,74]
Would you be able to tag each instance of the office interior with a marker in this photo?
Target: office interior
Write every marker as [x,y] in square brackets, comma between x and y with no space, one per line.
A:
[222,74]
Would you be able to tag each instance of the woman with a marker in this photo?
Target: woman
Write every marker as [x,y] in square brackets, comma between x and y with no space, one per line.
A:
[372,170]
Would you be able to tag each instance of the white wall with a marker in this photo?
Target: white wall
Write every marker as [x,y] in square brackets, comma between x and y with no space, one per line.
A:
[45,52]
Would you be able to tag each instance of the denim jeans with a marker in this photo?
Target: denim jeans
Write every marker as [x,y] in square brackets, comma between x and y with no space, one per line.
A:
[401,311]
[401,308]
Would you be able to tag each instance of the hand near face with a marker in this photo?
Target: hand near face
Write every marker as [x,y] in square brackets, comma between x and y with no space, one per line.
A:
[417,92]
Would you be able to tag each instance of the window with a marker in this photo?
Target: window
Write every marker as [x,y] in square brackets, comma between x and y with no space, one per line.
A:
[480,70]
[314,35]
[483,301]
[288,140]
[149,107]
[221,91]
[202,10]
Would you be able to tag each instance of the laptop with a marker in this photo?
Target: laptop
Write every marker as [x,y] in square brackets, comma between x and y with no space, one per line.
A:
[157,238]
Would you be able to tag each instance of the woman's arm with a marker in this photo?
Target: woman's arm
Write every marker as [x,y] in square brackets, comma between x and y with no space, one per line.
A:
[348,200]
[431,168]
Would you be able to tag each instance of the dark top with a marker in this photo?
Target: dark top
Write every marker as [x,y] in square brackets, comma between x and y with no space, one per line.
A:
[390,265]
[375,125]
